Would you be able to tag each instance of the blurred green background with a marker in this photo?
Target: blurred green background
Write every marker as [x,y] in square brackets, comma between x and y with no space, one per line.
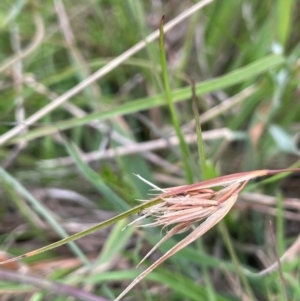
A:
[243,56]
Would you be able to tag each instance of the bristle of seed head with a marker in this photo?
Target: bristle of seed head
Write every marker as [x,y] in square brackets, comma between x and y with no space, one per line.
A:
[149,183]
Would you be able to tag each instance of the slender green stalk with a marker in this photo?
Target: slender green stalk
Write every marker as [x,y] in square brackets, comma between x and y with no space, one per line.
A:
[183,146]
[280,225]
[99,226]
[226,237]
[282,288]
[201,151]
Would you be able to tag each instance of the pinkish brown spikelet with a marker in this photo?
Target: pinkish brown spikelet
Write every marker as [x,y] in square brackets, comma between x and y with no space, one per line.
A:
[184,206]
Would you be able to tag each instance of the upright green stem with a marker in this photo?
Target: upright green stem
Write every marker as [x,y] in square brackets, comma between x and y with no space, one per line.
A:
[226,237]
[202,158]
[183,147]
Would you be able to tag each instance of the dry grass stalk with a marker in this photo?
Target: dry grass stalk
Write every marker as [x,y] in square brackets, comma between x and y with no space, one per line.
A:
[184,206]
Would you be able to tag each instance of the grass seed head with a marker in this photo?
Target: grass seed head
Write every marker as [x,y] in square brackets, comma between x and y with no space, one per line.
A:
[183,207]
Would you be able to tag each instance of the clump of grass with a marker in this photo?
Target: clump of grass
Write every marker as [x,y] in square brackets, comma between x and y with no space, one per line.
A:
[60,71]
